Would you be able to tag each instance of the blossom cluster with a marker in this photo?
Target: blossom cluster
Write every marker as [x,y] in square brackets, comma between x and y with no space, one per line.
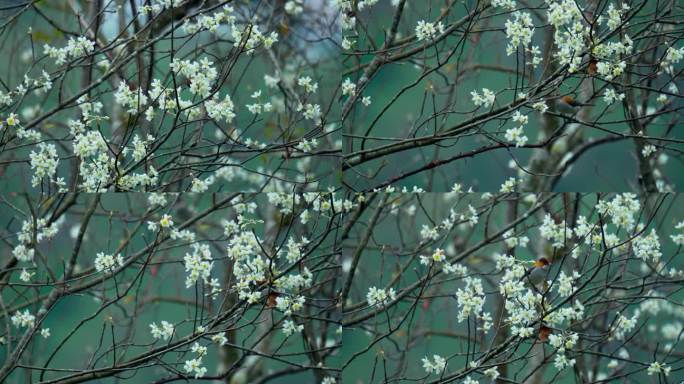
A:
[31,234]
[75,48]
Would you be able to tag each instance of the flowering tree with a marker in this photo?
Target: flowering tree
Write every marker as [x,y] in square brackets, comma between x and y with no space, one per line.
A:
[182,95]
[282,191]
[182,286]
[562,94]
[321,288]
[168,94]
[514,288]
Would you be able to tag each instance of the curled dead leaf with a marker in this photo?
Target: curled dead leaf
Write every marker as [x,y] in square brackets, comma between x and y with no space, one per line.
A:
[544,333]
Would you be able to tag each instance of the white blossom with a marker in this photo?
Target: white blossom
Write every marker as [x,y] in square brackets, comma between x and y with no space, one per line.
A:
[519,31]
[426,30]
[43,163]
[485,100]
[610,96]
[163,331]
[23,319]
[380,296]
[657,368]
[437,365]
[290,327]
[108,263]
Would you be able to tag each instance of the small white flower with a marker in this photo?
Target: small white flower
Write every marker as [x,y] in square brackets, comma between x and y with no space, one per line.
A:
[220,338]
[155,198]
[492,373]
[519,118]
[195,366]
[427,31]
[437,365]
[648,150]
[23,319]
[656,367]
[540,107]
[288,305]
[561,361]
[308,84]
[509,185]
[610,96]
[108,263]
[166,221]
[307,146]
[485,100]
[679,237]
[198,349]
[347,44]
[25,275]
[163,331]
[380,296]
[623,325]
[348,88]
[12,120]
[290,327]
[516,135]
[438,255]
[201,186]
